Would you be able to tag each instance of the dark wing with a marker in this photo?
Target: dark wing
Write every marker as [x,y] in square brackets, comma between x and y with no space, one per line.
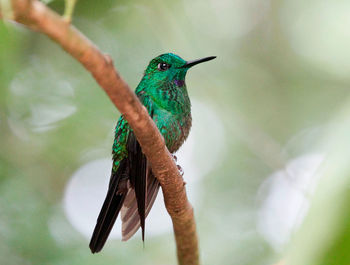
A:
[113,202]
[131,172]
[129,177]
[137,173]
[139,201]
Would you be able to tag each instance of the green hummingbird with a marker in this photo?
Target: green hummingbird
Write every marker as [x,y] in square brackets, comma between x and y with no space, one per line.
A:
[133,188]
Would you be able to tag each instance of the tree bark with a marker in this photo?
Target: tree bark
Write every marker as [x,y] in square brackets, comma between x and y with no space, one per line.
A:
[37,16]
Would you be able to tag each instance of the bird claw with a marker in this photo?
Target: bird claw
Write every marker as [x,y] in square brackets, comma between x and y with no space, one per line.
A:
[181,171]
[174,157]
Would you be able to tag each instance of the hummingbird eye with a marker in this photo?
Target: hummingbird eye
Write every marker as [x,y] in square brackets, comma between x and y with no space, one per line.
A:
[163,66]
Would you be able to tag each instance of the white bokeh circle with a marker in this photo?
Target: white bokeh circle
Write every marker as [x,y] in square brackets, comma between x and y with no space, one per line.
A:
[285,197]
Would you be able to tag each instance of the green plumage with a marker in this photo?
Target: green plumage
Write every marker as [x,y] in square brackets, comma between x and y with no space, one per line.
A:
[166,101]
[133,188]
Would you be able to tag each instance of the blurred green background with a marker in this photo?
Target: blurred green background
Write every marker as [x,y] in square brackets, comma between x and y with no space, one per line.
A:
[267,162]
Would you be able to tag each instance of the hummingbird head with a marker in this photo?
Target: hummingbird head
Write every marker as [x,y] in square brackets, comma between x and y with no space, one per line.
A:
[164,82]
[170,67]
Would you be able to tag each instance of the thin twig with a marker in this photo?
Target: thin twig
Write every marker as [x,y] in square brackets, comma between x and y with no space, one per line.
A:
[37,16]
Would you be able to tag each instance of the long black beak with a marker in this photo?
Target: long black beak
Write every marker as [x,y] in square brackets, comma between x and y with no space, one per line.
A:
[194,62]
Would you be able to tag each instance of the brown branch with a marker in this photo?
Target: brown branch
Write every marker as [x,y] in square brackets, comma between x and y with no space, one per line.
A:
[36,15]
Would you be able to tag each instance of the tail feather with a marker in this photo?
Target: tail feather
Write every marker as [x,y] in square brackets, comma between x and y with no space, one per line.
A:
[110,210]
[137,174]
[132,170]
[129,211]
